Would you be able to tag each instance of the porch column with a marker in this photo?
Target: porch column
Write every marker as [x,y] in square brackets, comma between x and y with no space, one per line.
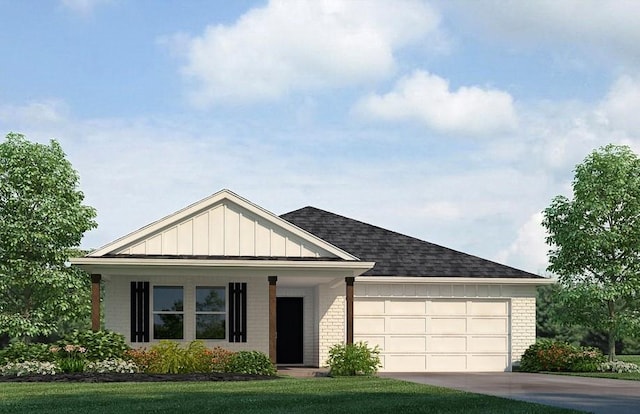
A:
[349,283]
[272,318]
[95,302]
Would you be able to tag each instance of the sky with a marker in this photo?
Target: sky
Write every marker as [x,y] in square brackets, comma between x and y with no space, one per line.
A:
[455,122]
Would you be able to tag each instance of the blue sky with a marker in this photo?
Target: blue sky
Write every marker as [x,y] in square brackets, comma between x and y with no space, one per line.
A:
[452,121]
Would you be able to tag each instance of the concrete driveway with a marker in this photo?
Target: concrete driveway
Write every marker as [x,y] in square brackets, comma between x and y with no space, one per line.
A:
[596,395]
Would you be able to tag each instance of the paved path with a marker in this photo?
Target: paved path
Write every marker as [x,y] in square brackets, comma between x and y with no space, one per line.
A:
[596,395]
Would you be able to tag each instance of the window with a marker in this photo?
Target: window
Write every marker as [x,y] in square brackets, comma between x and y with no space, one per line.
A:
[168,312]
[210,313]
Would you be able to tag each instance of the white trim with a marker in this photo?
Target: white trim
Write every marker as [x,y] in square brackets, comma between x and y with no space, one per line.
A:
[208,202]
[455,280]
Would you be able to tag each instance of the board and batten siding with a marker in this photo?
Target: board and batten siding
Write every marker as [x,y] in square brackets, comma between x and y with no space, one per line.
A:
[224,230]
[446,327]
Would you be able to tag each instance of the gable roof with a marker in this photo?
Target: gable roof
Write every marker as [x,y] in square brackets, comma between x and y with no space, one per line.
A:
[396,254]
[223,225]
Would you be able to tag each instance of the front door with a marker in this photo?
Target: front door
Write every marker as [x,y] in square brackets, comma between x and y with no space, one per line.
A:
[289,343]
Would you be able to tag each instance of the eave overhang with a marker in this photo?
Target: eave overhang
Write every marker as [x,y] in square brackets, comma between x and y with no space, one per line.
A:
[456,280]
[118,264]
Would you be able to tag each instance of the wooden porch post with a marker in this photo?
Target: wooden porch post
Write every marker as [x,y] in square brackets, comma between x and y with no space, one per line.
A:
[272,318]
[349,282]
[95,302]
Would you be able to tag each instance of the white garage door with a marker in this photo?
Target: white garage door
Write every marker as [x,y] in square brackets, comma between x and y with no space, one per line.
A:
[418,335]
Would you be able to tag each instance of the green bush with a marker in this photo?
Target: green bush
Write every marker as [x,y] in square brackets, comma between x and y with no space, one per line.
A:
[250,362]
[100,345]
[549,355]
[22,352]
[167,357]
[353,359]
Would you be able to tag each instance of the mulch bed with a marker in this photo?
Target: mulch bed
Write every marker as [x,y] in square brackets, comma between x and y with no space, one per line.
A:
[113,377]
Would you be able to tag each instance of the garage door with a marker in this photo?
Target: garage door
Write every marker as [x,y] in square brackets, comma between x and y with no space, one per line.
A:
[418,335]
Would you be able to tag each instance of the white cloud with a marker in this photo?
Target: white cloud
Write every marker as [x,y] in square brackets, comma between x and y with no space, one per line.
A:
[529,249]
[622,104]
[605,28]
[288,46]
[427,98]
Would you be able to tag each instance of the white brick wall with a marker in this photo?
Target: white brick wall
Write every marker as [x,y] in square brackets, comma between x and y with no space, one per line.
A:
[523,325]
[331,311]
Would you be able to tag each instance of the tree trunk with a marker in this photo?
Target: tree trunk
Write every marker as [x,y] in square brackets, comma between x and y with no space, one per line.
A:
[612,332]
[612,345]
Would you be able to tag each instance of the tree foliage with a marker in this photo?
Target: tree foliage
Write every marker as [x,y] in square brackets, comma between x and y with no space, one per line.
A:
[595,239]
[43,219]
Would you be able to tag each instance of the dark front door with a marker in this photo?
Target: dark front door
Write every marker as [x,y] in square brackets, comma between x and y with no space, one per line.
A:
[289,327]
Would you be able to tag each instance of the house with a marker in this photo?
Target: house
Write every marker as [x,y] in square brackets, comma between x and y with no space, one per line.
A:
[231,273]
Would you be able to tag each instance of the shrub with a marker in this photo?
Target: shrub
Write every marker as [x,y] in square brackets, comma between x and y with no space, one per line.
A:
[619,367]
[250,362]
[112,365]
[167,357]
[29,368]
[21,352]
[100,345]
[70,358]
[142,357]
[549,355]
[219,358]
[353,359]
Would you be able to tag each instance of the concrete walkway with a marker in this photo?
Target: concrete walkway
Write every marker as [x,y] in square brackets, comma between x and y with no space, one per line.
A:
[595,395]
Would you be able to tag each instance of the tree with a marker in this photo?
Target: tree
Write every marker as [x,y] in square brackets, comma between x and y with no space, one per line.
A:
[42,219]
[595,239]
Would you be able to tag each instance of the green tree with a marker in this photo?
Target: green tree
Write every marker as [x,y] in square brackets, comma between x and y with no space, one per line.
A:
[595,239]
[42,219]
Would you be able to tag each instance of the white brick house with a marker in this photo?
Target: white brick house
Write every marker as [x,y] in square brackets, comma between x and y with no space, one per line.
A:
[229,272]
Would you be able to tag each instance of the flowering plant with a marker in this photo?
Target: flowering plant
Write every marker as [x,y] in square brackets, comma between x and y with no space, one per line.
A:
[71,358]
[29,368]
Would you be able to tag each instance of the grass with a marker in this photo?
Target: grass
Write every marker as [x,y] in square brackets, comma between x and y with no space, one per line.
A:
[630,358]
[317,396]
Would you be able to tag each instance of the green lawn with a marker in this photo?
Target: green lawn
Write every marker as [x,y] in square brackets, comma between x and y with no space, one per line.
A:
[630,358]
[322,395]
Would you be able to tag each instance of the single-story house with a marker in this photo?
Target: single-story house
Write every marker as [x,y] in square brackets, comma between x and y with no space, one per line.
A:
[231,273]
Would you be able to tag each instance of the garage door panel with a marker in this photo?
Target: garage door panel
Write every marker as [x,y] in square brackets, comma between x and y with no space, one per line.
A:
[369,325]
[406,363]
[488,363]
[373,341]
[407,344]
[446,344]
[448,308]
[447,325]
[369,307]
[488,344]
[446,363]
[400,307]
[488,326]
[407,325]
[485,308]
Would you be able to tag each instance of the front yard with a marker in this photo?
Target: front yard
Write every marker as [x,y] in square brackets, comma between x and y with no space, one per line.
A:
[323,395]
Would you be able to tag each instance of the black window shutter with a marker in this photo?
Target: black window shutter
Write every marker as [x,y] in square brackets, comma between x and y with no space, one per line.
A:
[139,311]
[237,312]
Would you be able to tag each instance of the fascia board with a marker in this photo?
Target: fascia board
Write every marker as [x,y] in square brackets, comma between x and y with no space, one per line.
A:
[455,280]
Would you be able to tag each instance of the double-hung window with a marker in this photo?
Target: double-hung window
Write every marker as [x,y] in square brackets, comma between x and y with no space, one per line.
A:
[168,312]
[210,312]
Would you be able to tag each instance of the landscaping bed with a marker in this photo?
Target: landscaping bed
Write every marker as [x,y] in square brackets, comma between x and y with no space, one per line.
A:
[133,377]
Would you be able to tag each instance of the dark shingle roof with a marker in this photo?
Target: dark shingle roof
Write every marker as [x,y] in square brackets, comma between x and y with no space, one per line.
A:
[396,254]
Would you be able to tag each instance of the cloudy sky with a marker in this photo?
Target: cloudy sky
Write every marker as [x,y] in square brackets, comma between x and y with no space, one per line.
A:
[454,122]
